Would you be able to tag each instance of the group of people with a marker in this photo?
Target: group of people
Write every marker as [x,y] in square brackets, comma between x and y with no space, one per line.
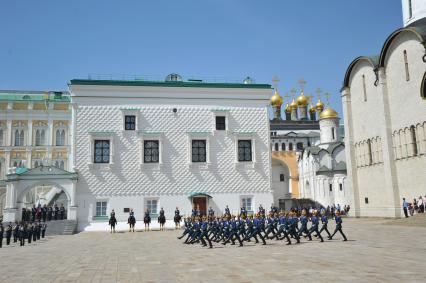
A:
[131,220]
[43,213]
[206,229]
[23,231]
[418,205]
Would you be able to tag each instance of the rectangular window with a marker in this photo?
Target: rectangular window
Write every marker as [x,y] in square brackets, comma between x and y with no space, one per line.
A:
[341,187]
[101,208]
[220,123]
[151,151]
[364,86]
[407,71]
[102,150]
[244,150]
[331,187]
[130,122]
[199,151]
[151,205]
[247,203]
[366,200]
[282,178]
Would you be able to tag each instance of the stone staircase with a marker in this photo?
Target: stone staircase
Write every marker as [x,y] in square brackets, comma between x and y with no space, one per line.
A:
[61,227]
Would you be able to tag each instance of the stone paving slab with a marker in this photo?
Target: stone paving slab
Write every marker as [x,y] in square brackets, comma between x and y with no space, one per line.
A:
[375,252]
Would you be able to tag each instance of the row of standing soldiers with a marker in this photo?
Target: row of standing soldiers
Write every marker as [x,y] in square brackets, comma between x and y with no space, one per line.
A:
[279,226]
[43,213]
[30,231]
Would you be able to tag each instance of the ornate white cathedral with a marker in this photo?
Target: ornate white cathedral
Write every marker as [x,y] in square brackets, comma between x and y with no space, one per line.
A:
[384,103]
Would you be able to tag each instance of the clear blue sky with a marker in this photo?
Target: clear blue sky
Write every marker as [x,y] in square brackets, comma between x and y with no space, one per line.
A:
[44,44]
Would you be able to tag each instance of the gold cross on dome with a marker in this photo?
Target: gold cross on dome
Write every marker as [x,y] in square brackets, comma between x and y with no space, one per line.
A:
[327,98]
[275,81]
[302,83]
[286,96]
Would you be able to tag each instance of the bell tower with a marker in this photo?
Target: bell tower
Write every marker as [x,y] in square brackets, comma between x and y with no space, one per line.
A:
[413,11]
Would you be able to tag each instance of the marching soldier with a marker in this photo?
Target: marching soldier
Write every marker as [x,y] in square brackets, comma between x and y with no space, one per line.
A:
[22,234]
[314,227]
[15,232]
[324,221]
[339,221]
[227,211]
[304,226]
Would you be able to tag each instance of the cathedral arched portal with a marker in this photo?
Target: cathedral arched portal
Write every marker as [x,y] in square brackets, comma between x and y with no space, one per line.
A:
[285,179]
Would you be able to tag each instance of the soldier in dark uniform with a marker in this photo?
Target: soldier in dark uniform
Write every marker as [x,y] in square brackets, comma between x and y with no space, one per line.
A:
[204,233]
[22,234]
[38,230]
[261,211]
[147,219]
[112,221]
[187,224]
[56,212]
[177,218]
[324,221]
[233,233]
[44,213]
[35,228]
[8,233]
[161,219]
[29,234]
[43,229]
[243,212]
[49,213]
[339,221]
[304,226]
[1,234]
[24,214]
[62,212]
[314,227]
[15,232]
[131,221]
[33,213]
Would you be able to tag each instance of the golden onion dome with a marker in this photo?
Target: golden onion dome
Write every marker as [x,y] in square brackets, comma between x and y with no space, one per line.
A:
[319,105]
[276,99]
[329,113]
[302,100]
[287,108]
[312,109]
[293,105]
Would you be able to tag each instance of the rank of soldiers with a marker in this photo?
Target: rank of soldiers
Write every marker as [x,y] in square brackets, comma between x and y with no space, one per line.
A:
[245,228]
[22,232]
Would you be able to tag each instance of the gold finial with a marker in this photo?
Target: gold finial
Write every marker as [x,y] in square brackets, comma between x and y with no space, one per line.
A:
[327,98]
[302,83]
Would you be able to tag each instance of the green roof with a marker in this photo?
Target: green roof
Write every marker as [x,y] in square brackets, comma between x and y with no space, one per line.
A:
[168,84]
[31,96]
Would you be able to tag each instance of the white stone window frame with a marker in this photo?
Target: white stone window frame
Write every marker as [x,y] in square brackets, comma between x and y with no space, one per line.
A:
[220,113]
[252,202]
[149,136]
[101,135]
[243,135]
[146,206]
[20,127]
[199,135]
[101,217]
[129,112]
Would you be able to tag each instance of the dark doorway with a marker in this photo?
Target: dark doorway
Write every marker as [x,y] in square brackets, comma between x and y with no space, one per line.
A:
[200,203]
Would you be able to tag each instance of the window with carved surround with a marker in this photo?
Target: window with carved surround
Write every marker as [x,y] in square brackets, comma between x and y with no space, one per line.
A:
[245,147]
[199,148]
[130,119]
[151,148]
[101,150]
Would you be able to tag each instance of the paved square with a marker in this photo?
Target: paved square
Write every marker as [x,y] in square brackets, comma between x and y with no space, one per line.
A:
[375,252]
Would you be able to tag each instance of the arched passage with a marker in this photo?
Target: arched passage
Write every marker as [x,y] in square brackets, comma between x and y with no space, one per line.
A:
[22,190]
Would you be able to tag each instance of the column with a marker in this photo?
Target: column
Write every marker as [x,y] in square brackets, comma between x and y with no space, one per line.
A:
[9,135]
[350,151]
[72,137]
[30,133]
[72,207]
[49,140]
[391,179]
[7,161]
[9,213]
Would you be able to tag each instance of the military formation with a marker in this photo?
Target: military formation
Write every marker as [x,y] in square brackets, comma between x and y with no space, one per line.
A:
[260,227]
[22,232]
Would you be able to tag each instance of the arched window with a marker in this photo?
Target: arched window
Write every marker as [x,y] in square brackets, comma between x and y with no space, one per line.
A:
[17,138]
[62,164]
[1,136]
[57,163]
[36,164]
[299,146]
[60,137]
[332,133]
[410,9]
[276,147]
[283,146]
[38,138]
[43,137]
[407,72]
[414,140]
[423,88]
[15,164]
[63,137]
[364,87]
[369,153]
[290,146]
[21,138]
